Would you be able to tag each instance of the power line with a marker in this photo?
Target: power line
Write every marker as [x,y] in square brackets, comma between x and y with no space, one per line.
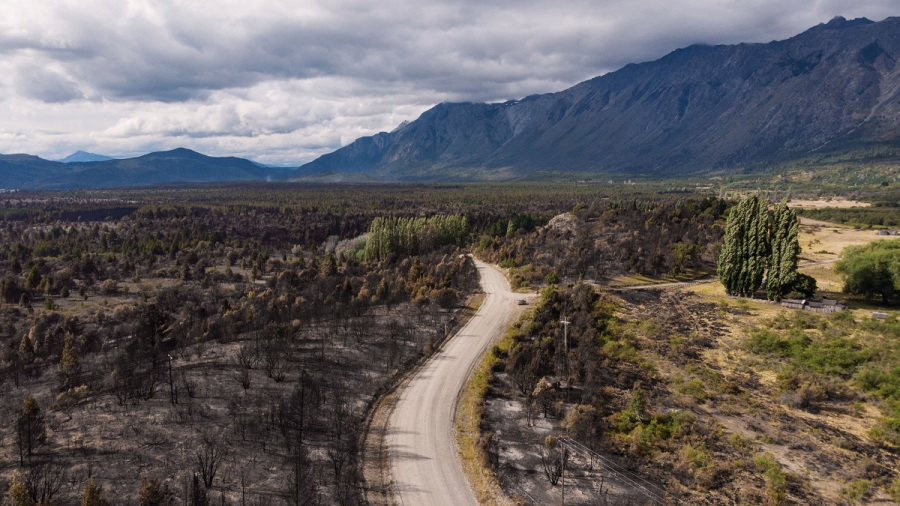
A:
[640,484]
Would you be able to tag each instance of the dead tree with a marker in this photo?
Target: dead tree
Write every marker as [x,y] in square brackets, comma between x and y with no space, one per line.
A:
[248,355]
[554,458]
[274,356]
[302,486]
[44,481]
[210,456]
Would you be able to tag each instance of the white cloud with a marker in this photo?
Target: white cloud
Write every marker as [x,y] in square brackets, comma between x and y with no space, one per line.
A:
[285,81]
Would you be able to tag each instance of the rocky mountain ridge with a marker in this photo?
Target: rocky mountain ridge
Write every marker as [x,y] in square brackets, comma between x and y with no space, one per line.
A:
[699,109]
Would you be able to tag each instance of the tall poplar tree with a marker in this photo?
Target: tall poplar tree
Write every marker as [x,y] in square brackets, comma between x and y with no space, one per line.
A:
[785,251]
[758,246]
[742,261]
[730,258]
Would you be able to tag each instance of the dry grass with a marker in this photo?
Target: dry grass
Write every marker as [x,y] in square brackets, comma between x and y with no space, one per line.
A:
[838,431]
[468,435]
[837,202]
[469,414]
[821,241]
[808,445]
[473,304]
[826,279]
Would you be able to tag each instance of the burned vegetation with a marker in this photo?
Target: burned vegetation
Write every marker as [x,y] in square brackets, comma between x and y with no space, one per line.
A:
[207,353]
[576,397]
[610,238]
[658,396]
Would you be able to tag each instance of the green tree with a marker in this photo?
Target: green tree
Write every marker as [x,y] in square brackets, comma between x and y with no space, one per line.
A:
[731,257]
[413,235]
[329,265]
[33,281]
[69,366]
[17,494]
[745,251]
[684,254]
[872,269]
[153,493]
[785,251]
[93,495]
[30,427]
[638,406]
[804,287]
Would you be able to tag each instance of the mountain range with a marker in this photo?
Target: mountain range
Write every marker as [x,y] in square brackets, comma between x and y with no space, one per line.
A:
[699,109]
[834,88]
[175,166]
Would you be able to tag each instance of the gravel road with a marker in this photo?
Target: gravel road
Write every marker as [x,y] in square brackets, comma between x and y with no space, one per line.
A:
[424,463]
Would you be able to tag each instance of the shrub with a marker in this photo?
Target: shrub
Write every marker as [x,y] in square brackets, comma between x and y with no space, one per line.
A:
[154,493]
[109,287]
[885,384]
[804,287]
[894,490]
[775,477]
[835,356]
[584,423]
[695,389]
[642,441]
[858,490]
[697,456]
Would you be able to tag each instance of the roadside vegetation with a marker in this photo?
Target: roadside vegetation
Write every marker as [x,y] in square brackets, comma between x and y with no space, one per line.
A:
[703,398]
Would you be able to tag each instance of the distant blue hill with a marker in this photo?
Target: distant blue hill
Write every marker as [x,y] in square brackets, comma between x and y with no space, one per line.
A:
[176,166]
[84,156]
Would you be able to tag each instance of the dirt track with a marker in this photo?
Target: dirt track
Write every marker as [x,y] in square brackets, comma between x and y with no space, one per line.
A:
[424,463]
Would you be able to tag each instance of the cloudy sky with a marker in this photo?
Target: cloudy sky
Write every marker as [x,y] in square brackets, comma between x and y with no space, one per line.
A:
[282,82]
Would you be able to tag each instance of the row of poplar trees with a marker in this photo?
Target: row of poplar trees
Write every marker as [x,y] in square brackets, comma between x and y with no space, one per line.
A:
[756,243]
[411,236]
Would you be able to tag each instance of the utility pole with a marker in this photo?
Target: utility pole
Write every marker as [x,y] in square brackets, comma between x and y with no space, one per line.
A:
[566,323]
[562,475]
[173,396]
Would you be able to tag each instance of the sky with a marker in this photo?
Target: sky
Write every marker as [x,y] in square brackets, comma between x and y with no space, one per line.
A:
[283,82]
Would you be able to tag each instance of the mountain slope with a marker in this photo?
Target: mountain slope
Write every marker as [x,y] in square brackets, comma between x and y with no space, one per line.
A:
[697,110]
[84,156]
[175,166]
[28,171]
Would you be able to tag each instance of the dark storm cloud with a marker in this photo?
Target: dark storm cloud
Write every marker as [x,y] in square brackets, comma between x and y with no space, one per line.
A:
[331,71]
[46,86]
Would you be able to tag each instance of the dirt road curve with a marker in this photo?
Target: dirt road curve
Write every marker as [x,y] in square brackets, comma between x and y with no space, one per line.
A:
[424,463]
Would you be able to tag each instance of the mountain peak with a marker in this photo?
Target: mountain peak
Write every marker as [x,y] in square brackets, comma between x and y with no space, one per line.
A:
[842,22]
[84,156]
[181,152]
